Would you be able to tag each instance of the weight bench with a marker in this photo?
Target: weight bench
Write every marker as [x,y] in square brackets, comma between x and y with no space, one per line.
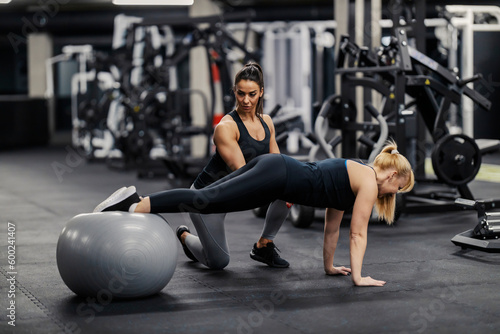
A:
[485,235]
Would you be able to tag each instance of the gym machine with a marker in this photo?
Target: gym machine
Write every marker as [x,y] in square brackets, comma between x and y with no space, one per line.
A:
[485,235]
[400,73]
[129,106]
[140,96]
[91,89]
[173,127]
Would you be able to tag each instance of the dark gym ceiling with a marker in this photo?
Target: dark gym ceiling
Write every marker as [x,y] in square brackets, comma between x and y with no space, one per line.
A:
[95,17]
[85,5]
[32,5]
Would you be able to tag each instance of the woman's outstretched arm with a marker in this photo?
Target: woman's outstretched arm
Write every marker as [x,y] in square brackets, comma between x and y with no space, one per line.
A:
[333,218]
[361,214]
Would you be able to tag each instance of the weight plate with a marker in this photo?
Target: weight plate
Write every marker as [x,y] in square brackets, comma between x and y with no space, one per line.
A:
[456,159]
[335,115]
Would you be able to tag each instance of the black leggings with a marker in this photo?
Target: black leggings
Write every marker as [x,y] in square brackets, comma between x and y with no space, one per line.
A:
[256,184]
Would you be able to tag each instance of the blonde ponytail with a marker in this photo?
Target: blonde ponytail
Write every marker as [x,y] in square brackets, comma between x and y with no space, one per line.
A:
[390,158]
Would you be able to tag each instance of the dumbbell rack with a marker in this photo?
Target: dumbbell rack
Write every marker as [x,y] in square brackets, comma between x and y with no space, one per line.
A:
[485,236]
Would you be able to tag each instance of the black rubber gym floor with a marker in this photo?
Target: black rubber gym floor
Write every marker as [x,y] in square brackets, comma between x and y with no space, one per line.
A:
[432,285]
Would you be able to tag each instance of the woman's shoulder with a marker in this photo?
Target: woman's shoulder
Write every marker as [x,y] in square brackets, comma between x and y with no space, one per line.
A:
[226,121]
[267,119]
[360,174]
[358,167]
[226,126]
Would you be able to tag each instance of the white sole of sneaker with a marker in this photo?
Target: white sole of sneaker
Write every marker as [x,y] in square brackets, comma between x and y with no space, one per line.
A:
[115,198]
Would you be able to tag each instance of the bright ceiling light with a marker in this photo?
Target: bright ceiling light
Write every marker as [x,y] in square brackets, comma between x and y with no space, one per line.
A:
[154,2]
[5,1]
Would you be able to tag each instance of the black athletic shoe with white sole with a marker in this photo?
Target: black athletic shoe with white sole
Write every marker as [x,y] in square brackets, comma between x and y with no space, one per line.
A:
[181,229]
[269,256]
[120,200]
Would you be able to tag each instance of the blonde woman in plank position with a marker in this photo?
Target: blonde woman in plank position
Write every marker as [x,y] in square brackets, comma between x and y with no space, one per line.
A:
[337,184]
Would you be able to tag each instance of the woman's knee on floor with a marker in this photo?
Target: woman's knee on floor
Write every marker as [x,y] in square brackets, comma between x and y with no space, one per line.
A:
[219,262]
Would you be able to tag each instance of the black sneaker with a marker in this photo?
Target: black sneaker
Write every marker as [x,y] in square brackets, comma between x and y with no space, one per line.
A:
[269,256]
[120,200]
[181,229]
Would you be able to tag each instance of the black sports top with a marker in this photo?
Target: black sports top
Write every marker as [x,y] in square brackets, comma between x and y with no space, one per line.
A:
[250,147]
[309,182]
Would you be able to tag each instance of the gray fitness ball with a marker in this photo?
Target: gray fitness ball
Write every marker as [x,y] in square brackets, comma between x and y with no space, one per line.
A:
[116,254]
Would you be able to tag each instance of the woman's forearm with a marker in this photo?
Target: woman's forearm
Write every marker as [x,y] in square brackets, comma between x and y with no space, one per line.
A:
[329,246]
[332,229]
[357,250]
